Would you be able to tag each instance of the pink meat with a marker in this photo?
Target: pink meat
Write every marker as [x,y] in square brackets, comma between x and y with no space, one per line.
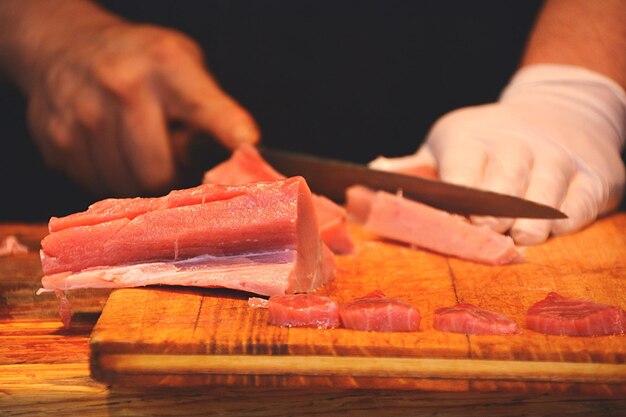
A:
[303,310]
[562,316]
[404,220]
[10,245]
[333,226]
[244,166]
[258,302]
[359,202]
[469,319]
[407,165]
[129,208]
[260,237]
[377,313]
[247,165]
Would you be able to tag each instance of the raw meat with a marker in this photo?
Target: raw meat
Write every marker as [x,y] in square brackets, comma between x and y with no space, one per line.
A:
[244,166]
[10,245]
[303,310]
[258,302]
[247,165]
[404,220]
[469,319]
[260,237]
[407,165]
[359,202]
[377,313]
[563,316]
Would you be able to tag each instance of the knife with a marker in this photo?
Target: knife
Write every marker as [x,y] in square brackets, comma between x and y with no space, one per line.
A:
[331,178]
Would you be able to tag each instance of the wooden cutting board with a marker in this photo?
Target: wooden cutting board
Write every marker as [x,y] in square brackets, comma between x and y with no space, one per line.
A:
[185,337]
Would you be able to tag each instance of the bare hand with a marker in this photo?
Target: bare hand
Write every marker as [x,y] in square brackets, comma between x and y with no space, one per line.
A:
[100,109]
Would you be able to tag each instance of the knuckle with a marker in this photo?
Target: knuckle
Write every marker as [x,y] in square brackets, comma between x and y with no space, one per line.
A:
[123,76]
[168,47]
[88,112]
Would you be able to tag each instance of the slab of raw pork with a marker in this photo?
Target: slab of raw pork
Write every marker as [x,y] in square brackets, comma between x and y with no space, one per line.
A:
[394,217]
[303,310]
[469,319]
[260,237]
[377,313]
[247,165]
[563,316]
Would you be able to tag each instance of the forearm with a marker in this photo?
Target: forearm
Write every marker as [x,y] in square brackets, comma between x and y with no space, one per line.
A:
[33,31]
[590,34]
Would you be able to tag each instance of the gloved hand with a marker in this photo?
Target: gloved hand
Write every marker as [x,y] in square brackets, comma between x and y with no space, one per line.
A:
[554,137]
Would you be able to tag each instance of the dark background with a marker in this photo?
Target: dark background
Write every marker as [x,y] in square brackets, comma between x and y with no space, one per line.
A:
[346,79]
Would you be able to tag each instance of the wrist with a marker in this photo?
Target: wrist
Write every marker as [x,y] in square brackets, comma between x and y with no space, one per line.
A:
[587,93]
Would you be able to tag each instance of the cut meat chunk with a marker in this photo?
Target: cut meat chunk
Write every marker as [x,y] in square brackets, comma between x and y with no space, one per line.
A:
[246,165]
[558,315]
[359,203]
[258,302]
[469,319]
[407,165]
[303,310]
[260,237]
[377,313]
[333,226]
[10,245]
[408,221]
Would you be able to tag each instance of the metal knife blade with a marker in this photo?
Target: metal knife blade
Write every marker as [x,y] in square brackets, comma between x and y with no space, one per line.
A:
[331,177]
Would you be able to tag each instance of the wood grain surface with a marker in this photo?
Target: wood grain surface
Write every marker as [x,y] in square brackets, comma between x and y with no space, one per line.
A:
[44,369]
[190,337]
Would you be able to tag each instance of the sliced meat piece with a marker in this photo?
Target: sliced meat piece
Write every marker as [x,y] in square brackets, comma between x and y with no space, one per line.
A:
[359,202]
[130,208]
[404,220]
[10,245]
[303,310]
[469,319]
[377,313]
[246,165]
[407,165]
[333,225]
[269,228]
[258,302]
[563,316]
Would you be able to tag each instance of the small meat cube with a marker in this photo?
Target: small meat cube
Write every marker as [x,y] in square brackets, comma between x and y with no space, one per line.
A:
[377,313]
[469,319]
[563,316]
[303,310]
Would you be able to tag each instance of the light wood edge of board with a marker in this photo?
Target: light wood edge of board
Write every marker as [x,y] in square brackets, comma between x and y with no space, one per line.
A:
[385,367]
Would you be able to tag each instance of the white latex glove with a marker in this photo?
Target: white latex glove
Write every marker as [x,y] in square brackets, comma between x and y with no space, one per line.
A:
[554,137]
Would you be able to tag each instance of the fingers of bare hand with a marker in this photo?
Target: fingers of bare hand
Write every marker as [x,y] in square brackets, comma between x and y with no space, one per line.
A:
[61,142]
[144,140]
[195,98]
[98,121]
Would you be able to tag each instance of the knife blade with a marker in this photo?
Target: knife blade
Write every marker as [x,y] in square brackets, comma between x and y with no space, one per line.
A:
[332,177]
